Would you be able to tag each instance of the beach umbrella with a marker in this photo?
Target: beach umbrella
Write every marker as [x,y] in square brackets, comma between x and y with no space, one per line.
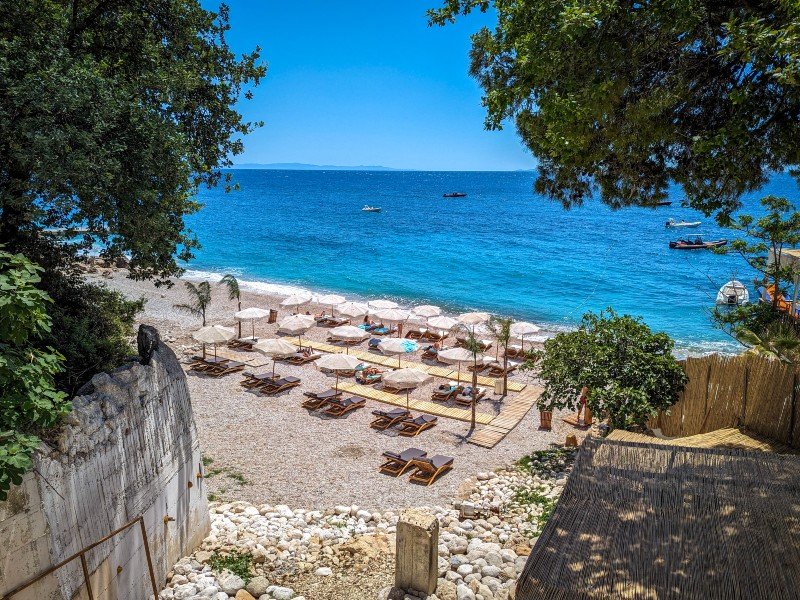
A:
[427,310]
[474,318]
[382,304]
[348,333]
[251,314]
[457,355]
[274,347]
[397,346]
[296,300]
[352,309]
[442,323]
[522,328]
[330,300]
[407,379]
[296,325]
[337,362]
[214,334]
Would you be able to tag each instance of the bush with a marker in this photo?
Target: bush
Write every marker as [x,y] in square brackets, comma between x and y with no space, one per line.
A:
[29,401]
[629,370]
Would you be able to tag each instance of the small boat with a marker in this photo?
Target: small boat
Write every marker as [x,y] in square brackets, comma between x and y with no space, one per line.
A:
[733,293]
[696,243]
[455,195]
[368,208]
[681,223]
[664,203]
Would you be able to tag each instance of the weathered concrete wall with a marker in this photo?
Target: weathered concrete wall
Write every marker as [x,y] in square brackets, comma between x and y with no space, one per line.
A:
[129,448]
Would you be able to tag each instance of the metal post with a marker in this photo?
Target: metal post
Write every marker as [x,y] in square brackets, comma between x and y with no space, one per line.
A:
[149,558]
[85,568]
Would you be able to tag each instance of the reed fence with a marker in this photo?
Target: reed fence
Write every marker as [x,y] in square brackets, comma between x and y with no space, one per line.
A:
[747,391]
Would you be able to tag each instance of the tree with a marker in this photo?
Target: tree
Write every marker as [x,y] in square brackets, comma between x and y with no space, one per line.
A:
[199,299]
[473,345]
[29,401]
[234,293]
[625,98]
[111,116]
[502,333]
[629,370]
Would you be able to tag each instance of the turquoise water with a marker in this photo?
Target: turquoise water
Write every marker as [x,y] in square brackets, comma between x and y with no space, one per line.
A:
[502,249]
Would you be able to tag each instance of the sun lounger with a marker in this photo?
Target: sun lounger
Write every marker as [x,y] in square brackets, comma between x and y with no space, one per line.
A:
[201,364]
[429,470]
[383,330]
[412,427]
[388,418]
[397,464]
[445,393]
[369,378]
[335,340]
[300,358]
[281,385]
[433,336]
[465,397]
[390,389]
[479,367]
[318,400]
[430,353]
[484,344]
[329,321]
[226,368]
[415,334]
[338,407]
[243,343]
[253,380]
[514,352]
[496,370]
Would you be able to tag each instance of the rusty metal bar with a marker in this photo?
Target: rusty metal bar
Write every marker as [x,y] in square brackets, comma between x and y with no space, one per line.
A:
[80,553]
[149,559]
[85,568]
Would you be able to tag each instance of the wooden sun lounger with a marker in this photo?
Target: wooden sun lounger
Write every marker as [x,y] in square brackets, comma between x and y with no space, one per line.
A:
[479,367]
[318,400]
[201,364]
[369,379]
[300,358]
[496,370]
[397,464]
[389,418]
[414,334]
[430,354]
[392,390]
[433,336]
[243,343]
[253,380]
[332,321]
[514,352]
[281,385]
[413,427]
[429,470]
[484,344]
[226,368]
[333,340]
[465,397]
[338,407]
[446,392]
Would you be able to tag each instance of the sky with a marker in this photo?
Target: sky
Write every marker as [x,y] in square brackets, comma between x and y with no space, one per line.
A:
[366,83]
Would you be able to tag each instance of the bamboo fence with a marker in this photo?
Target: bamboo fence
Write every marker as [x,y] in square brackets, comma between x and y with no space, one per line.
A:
[746,391]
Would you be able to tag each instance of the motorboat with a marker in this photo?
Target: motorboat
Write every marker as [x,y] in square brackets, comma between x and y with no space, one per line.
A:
[368,208]
[681,223]
[733,293]
[455,195]
[696,243]
[664,203]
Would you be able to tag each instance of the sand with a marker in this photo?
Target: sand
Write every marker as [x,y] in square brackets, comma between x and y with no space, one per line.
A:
[270,450]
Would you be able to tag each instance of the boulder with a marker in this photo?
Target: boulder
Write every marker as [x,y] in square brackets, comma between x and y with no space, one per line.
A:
[230,583]
[257,586]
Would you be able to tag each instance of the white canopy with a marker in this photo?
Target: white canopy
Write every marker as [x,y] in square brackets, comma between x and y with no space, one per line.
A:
[296,300]
[381,304]
[442,323]
[523,328]
[296,324]
[251,314]
[473,318]
[457,355]
[397,346]
[391,315]
[214,334]
[330,299]
[352,309]
[348,332]
[427,310]
[275,347]
[406,378]
[337,362]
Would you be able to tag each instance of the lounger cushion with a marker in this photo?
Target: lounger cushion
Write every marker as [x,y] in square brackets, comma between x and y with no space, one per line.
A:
[439,460]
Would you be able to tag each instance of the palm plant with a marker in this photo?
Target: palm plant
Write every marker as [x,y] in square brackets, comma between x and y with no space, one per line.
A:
[199,301]
[474,346]
[234,293]
[501,328]
[776,341]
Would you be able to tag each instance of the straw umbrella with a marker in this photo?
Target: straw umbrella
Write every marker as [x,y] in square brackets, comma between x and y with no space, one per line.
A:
[442,323]
[273,348]
[407,379]
[330,300]
[458,355]
[251,314]
[337,362]
[427,310]
[392,315]
[352,309]
[474,318]
[347,333]
[382,304]
[296,300]
[522,328]
[397,346]
[214,334]
[296,325]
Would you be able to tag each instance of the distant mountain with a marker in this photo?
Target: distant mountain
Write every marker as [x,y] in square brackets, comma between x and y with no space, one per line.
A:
[306,167]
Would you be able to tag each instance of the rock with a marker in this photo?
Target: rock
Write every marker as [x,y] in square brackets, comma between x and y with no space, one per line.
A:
[186,590]
[490,571]
[464,593]
[324,572]
[282,593]
[202,556]
[522,550]
[257,586]
[244,595]
[230,583]
[464,569]
[446,590]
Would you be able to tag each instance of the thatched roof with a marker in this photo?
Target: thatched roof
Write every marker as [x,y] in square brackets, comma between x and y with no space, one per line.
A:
[730,437]
[659,521]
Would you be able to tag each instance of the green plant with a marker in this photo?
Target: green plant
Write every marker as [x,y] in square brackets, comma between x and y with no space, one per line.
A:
[29,401]
[630,371]
[502,333]
[234,293]
[199,299]
[473,345]
[238,563]
[628,98]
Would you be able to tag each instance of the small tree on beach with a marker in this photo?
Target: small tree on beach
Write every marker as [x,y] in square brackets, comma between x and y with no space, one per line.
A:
[234,293]
[630,371]
[502,333]
[199,299]
[473,345]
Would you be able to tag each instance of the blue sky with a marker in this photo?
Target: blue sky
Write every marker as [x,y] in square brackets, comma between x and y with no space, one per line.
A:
[366,83]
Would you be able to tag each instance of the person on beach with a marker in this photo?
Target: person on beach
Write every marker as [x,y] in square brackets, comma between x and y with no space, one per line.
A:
[582,402]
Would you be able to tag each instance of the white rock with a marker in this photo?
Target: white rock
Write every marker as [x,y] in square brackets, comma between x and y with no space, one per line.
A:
[184,591]
[464,593]
[282,593]
[323,572]
[230,583]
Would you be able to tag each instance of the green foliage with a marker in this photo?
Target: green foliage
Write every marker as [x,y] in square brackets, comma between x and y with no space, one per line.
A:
[234,293]
[112,114]
[501,328]
[625,98]
[29,401]
[199,299]
[238,563]
[629,370]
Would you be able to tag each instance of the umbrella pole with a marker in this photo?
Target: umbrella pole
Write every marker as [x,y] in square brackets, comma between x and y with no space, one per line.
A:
[458,377]
[215,353]
[337,381]
[300,342]
[408,392]
[273,367]
[254,328]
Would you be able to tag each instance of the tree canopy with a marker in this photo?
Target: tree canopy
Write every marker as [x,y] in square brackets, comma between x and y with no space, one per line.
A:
[111,115]
[625,98]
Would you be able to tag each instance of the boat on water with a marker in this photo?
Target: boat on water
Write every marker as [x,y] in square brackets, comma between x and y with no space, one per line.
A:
[674,224]
[368,208]
[664,203]
[696,243]
[733,293]
[455,195]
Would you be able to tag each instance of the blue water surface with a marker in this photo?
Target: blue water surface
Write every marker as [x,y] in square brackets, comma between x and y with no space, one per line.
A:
[501,249]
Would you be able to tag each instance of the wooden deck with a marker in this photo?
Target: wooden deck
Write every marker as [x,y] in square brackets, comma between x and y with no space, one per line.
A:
[513,411]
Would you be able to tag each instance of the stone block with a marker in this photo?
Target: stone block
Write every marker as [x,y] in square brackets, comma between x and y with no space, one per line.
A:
[416,567]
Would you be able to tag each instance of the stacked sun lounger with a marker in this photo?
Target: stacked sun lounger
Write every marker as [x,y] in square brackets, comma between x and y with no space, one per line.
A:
[424,470]
[216,367]
[403,421]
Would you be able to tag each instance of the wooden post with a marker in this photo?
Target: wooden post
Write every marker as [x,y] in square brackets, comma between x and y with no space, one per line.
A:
[417,563]
[792,419]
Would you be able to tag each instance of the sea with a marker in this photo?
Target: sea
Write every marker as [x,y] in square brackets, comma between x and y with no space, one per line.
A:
[501,249]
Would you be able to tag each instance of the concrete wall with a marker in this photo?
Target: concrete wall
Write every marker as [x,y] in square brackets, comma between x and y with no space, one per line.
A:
[129,448]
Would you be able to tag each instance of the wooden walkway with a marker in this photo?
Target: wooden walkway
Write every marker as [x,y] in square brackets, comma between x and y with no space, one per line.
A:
[513,411]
